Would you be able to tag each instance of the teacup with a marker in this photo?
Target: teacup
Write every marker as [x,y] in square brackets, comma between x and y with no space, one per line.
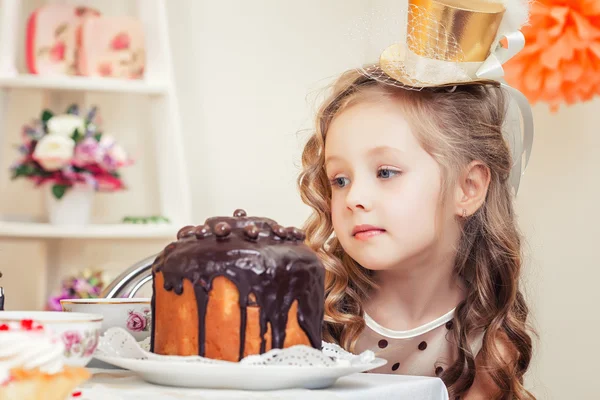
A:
[132,314]
[79,332]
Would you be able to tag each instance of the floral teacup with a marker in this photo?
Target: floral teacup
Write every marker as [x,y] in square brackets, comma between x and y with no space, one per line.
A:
[133,314]
[80,332]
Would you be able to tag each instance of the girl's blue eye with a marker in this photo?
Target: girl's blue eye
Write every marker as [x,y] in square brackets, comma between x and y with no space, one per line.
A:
[339,182]
[386,173]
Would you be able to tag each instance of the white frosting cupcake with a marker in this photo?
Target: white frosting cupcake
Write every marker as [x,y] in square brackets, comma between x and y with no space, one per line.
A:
[31,364]
[28,346]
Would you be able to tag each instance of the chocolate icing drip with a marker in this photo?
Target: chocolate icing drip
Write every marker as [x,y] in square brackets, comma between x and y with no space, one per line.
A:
[153,311]
[275,266]
[202,302]
[263,332]
[243,319]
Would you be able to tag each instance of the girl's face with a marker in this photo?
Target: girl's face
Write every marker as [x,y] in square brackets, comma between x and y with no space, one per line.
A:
[385,188]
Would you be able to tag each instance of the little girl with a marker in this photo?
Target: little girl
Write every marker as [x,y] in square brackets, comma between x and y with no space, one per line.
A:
[414,222]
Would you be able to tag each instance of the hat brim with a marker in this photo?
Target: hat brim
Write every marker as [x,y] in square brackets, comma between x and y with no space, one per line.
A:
[392,62]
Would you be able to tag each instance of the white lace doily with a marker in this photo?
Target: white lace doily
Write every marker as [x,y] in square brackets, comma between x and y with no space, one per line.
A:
[117,342]
[290,368]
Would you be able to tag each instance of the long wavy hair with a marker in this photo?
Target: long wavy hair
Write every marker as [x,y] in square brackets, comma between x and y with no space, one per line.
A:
[455,127]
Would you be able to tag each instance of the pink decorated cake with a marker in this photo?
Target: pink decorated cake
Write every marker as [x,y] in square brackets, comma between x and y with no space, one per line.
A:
[112,47]
[51,43]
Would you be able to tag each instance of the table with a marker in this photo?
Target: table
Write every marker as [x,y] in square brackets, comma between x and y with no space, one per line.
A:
[125,385]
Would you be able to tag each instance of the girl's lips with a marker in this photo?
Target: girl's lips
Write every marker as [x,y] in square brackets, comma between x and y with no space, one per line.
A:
[365,232]
[366,235]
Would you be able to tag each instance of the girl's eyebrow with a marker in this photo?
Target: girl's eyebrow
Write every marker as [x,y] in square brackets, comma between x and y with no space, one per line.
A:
[379,150]
[383,150]
[332,158]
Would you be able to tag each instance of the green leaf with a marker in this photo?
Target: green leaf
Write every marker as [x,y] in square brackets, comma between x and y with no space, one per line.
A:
[76,135]
[46,115]
[23,170]
[59,191]
[98,136]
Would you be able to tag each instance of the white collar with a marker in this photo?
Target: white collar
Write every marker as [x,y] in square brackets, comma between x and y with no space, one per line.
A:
[409,333]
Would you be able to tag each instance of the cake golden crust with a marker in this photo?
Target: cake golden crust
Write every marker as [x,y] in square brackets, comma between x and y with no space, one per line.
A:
[179,317]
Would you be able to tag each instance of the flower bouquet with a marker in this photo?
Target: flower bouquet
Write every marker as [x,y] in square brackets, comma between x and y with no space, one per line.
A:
[70,153]
[85,285]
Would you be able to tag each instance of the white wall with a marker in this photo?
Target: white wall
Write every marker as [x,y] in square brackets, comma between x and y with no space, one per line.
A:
[559,215]
[248,73]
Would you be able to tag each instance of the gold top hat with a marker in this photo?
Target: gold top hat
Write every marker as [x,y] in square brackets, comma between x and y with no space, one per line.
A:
[457,42]
[440,33]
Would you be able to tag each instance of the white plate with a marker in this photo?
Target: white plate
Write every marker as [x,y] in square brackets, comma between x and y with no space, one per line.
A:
[241,377]
[271,371]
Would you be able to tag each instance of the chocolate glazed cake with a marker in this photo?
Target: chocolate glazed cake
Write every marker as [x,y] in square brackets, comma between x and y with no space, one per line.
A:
[236,286]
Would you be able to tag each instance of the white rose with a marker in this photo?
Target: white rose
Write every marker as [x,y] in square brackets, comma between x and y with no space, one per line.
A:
[53,152]
[65,125]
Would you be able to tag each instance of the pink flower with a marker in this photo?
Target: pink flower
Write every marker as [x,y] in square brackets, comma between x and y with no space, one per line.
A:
[71,339]
[91,344]
[86,151]
[136,322]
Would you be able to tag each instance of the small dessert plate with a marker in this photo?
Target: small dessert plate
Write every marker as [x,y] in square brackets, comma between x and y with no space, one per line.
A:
[294,367]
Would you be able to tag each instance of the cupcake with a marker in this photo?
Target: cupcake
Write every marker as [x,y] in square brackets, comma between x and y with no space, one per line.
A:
[31,364]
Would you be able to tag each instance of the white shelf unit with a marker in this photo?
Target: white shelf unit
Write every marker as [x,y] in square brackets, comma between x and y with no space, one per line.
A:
[97,231]
[80,83]
[158,84]
[158,87]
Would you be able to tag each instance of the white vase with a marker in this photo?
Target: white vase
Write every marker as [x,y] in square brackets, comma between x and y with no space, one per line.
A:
[73,208]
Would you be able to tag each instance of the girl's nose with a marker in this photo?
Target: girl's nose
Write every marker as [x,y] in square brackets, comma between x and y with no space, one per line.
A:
[359,197]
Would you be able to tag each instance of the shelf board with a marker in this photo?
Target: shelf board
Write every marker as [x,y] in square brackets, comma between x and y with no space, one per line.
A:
[97,231]
[82,83]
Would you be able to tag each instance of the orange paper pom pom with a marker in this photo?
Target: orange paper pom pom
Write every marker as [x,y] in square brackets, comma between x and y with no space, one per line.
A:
[561,58]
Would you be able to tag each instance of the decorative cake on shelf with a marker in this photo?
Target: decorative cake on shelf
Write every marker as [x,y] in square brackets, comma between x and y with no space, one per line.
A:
[234,287]
[52,36]
[112,47]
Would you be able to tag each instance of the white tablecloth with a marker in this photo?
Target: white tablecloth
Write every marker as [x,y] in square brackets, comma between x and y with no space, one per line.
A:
[124,385]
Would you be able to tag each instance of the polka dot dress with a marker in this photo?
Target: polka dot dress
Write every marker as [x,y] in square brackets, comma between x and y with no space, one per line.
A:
[425,351]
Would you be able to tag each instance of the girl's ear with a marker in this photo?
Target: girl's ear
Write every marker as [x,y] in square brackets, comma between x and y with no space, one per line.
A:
[471,188]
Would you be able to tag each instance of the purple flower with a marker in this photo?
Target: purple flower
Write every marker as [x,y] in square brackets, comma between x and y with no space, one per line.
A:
[34,132]
[24,149]
[136,322]
[54,302]
[86,151]
[109,162]
[91,130]
[82,286]
[112,155]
